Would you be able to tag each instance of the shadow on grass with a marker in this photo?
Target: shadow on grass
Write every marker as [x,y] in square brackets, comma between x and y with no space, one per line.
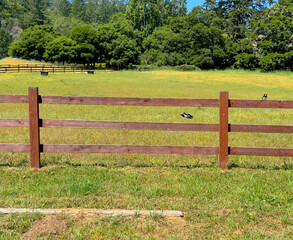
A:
[22,163]
[259,166]
[143,165]
[190,166]
[213,164]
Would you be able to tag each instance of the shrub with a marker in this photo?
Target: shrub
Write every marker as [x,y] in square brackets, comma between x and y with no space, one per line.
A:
[272,61]
[288,58]
[186,67]
[245,60]
[203,59]
[144,67]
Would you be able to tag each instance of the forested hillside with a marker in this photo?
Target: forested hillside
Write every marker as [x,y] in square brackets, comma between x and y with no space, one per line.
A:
[219,34]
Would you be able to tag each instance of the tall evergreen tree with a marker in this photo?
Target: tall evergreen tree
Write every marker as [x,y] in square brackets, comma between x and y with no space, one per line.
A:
[146,15]
[90,12]
[35,13]
[117,43]
[238,13]
[107,8]
[78,9]
[64,8]
[286,2]
[5,40]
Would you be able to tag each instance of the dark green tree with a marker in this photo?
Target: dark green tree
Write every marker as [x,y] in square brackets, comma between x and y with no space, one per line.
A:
[146,15]
[245,56]
[273,38]
[60,7]
[100,12]
[123,52]
[78,9]
[288,3]
[238,13]
[273,30]
[9,9]
[84,33]
[64,25]
[61,49]
[3,9]
[163,47]
[5,40]
[34,13]
[91,12]
[86,37]
[33,42]
[207,47]
[64,8]
[117,42]
[85,54]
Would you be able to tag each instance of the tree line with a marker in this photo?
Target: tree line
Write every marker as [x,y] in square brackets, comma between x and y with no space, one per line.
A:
[220,34]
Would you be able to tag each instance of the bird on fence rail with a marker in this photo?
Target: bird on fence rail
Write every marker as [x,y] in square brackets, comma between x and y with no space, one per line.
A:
[265,96]
[186,115]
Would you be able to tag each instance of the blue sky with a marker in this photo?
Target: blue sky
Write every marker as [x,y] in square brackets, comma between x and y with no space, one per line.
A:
[192,3]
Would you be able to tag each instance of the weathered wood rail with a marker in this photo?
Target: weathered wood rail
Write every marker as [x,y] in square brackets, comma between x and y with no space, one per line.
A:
[33,99]
[43,68]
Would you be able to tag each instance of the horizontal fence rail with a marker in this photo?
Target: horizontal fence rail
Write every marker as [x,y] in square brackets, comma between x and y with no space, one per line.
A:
[34,123]
[160,126]
[82,148]
[260,104]
[148,101]
[46,68]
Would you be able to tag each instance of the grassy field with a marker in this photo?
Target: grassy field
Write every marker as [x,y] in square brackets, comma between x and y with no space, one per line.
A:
[16,61]
[252,200]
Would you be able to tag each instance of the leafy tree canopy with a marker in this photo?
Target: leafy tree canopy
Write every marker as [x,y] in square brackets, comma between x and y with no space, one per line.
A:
[122,33]
[32,42]
[61,49]
[5,41]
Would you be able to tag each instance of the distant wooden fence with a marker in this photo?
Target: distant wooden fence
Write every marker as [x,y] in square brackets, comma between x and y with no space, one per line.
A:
[43,68]
[223,150]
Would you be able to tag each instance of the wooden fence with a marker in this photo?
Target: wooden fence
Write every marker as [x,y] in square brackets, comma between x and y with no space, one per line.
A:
[43,68]
[223,150]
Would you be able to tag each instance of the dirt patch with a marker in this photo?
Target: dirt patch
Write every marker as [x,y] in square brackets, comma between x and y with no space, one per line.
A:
[49,224]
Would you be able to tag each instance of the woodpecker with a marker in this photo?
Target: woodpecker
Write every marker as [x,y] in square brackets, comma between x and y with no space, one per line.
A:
[186,115]
[265,96]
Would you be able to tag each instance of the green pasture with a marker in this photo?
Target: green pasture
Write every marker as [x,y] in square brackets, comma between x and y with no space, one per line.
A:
[251,200]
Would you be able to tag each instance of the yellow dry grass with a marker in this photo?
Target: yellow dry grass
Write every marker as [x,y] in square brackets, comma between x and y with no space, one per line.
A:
[17,61]
[241,77]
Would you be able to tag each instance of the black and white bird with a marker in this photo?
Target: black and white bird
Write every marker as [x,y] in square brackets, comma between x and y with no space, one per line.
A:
[186,115]
[265,96]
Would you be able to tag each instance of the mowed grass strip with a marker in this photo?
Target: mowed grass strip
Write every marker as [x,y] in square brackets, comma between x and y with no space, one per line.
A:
[217,204]
[252,200]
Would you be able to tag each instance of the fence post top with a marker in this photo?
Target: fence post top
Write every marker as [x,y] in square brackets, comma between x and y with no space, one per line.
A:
[33,90]
[224,94]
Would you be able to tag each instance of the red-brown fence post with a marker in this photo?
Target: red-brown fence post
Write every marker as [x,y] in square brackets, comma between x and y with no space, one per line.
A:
[33,101]
[223,130]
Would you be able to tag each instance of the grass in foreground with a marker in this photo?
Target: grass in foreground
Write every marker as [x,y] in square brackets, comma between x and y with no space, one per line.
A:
[253,200]
[238,203]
